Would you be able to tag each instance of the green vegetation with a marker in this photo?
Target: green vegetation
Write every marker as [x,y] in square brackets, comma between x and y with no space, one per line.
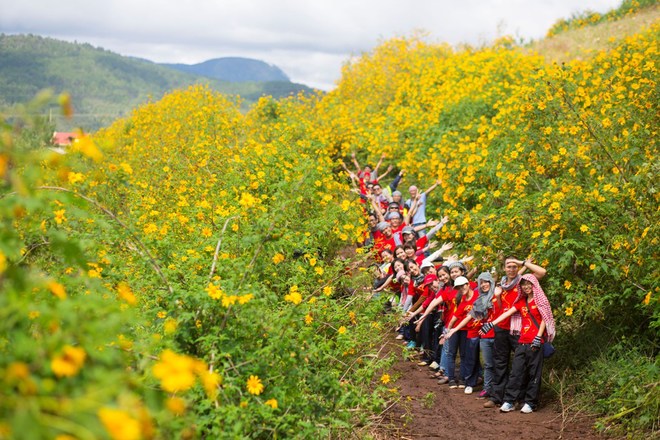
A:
[103,85]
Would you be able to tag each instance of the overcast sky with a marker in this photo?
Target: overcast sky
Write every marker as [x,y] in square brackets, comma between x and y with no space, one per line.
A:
[308,39]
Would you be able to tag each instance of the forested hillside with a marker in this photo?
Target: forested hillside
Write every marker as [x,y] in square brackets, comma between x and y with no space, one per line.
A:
[104,85]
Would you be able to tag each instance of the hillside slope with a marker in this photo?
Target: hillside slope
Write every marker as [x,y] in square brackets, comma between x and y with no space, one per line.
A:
[584,42]
[103,85]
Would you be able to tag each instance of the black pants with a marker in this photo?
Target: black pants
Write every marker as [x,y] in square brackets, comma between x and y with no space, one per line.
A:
[438,326]
[426,335]
[525,378]
[505,343]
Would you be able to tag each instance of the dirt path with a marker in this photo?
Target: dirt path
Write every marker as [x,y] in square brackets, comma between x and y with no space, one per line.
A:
[426,410]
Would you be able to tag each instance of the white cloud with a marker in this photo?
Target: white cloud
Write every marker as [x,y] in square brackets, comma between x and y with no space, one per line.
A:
[309,40]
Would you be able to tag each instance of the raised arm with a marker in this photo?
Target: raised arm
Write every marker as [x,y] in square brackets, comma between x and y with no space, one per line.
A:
[434,186]
[355,162]
[395,183]
[538,271]
[380,161]
[376,206]
[389,168]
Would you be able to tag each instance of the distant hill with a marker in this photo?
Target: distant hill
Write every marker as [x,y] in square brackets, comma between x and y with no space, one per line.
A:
[103,84]
[234,69]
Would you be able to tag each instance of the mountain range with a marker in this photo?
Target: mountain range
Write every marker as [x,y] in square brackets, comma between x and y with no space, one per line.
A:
[105,85]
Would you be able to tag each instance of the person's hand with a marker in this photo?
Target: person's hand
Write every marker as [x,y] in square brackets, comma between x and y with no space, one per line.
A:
[445,220]
[433,245]
[486,328]
[431,223]
[450,333]
[402,172]
[467,259]
[353,154]
[498,290]
[390,168]
[447,246]
[536,344]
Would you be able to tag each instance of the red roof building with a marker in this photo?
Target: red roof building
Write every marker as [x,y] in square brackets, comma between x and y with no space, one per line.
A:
[61,139]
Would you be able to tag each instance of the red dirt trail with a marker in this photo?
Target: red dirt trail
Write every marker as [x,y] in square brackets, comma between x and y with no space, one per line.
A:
[451,414]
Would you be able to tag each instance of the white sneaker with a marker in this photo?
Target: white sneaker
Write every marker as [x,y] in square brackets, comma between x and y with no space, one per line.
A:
[468,390]
[399,337]
[526,409]
[434,366]
[507,407]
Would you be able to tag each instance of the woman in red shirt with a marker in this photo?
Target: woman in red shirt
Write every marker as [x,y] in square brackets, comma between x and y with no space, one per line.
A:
[536,325]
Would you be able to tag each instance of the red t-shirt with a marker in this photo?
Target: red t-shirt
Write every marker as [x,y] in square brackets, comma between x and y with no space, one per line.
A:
[507,297]
[461,312]
[449,297]
[529,330]
[381,243]
[431,296]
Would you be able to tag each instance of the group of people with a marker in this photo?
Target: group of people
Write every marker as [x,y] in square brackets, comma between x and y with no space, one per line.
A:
[496,328]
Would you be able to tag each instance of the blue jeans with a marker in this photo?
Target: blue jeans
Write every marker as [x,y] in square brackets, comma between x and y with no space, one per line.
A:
[470,361]
[452,345]
[486,346]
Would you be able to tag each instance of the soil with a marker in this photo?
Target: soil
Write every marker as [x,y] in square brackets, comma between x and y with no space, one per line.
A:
[425,410]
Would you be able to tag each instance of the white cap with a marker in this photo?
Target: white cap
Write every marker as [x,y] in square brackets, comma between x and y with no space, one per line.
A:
[426,264]
[460,281]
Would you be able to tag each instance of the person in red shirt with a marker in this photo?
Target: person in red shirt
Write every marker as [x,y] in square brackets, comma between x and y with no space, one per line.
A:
[435,305]
[477,310]
[385,240]
[506,342]
[532,315]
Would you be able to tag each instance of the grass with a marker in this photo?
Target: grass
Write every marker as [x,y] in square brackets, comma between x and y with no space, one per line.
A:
[585,42]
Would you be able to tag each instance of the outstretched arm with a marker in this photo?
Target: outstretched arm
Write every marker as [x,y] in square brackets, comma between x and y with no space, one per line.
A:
[389,168]
[395,183]
[377,210]
[355,162]
[434,186]
[460,325]
[380,161]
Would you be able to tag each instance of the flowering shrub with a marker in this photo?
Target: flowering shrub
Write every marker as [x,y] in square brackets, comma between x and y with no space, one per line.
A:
[176,276]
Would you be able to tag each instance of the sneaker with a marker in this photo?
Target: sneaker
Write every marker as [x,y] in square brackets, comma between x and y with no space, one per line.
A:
[453,384]
[526,409]
[468,390]
[461,384]
[399,337]
[411,344]
[434,365]
[443,381]
[507,407]
[483,394]
[490,404]
[422,363]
